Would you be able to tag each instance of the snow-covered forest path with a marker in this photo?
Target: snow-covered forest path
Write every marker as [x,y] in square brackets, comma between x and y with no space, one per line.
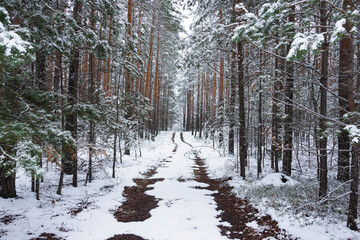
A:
[166,194]
[190,205]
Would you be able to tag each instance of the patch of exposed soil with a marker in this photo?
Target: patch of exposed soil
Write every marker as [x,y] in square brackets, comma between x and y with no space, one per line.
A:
[9,218]
[237,212]
[151,172]
[47,236]
[138,205]
[126,237]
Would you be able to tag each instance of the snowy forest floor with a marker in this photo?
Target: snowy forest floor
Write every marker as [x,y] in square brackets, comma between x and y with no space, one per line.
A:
[179,189]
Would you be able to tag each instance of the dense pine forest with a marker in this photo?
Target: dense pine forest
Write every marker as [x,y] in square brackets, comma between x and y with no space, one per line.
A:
[270,86]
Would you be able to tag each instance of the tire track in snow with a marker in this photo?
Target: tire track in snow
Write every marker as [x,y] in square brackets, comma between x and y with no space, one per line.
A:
[243,219]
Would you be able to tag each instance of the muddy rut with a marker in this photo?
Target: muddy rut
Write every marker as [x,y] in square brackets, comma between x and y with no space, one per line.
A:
[236,211]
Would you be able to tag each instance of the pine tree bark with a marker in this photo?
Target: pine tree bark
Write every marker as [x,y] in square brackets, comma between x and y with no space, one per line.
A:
[92,96]
[70,150]
[232,100]
[221,91]
[276,120]
[128,88]
[288,121]
[242,113]
[260,125]
[346,63]
[197,119]
[156,89]
[346,74]
[323,102]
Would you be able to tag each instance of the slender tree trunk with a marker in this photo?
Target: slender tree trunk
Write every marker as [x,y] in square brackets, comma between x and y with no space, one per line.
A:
[149,66]
[288,122]
[108,78]
[213,110]
[232,100]
[275,122]
[346,75]
[62,164]
[221,91]
[201,106]
[92,97]
[260,142]
[323,102]
[346,63]
[197,127]
[70,164]
[242,113]
[128,83]
[156,86]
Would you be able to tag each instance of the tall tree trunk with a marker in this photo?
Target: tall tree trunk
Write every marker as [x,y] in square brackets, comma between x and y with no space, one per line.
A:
[260,141]
[108,65]
[232,100]
[70,150]
[59,66]
[221,91]
[323,102]
[201,106]
[156,86]
[346,63]
[139,82]
[128,84]
[275,121]
[92,101]
[288,122]
[197,121]
[213,110]
[242,113]
[346,71]
[149,66]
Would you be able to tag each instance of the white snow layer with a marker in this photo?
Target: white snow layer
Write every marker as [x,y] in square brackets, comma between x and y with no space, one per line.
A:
[10,39]
[354,133]
[277,180]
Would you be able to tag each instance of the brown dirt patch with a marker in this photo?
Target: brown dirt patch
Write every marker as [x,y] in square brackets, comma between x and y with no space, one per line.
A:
[151,172]
[126,237]
[9,218]
[47,236]
[138,205]
[238,212]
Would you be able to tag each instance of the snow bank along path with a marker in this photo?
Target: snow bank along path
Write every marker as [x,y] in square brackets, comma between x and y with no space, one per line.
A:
[184,211]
